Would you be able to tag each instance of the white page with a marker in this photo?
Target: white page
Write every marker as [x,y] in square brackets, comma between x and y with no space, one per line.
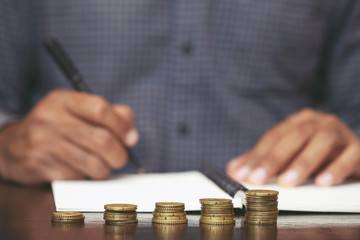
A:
[309,197]
[188,187]
[140,189]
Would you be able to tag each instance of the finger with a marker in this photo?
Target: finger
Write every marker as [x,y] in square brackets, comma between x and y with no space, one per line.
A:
[96,141]
[264,145]
[80,160]
[96,110]
[58,171]
[344,166]
[320,147]
[233,166]
[128,116]
[281,154]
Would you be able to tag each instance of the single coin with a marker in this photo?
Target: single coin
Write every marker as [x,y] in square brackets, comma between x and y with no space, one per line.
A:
[67,217]
[172,214]
[169,218]
[170,205]
[261,192]
[121,214]
[120,207]
[114,222]
[160,221]
[218,215]
[169,210]
[215,201]
[216,218]
[218,222]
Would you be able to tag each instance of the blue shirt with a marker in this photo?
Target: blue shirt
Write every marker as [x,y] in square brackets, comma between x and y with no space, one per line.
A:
[206,78]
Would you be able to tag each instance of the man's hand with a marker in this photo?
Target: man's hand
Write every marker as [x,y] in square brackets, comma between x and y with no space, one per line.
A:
[68,135]
[306,144]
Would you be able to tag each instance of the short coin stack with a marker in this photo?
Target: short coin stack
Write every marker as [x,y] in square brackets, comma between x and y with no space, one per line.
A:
[118,214]
[169,213]
[261,207]
[68,217]
[217,211]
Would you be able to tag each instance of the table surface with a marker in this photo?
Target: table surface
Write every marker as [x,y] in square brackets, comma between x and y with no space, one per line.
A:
[25,213]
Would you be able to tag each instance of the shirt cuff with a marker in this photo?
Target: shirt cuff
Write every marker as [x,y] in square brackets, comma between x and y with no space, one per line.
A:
[6,118]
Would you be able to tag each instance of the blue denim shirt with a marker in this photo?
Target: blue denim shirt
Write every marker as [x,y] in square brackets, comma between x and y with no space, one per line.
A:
[206,78]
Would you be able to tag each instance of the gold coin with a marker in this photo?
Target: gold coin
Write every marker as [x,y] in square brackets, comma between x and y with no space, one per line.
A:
[67,217]
[218,222]
[172,214]
[169,205]
[215,218]
[169,210]
[218,215]
[120,207]
[115,222]
[217,211]
[161,221]
[215,201]
[170,218]
[261,192]
[122,214]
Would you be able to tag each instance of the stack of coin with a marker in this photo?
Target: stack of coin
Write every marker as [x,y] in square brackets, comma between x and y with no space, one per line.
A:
[217,211]
[118,213]
[169,213]
[67,217]
[261,207]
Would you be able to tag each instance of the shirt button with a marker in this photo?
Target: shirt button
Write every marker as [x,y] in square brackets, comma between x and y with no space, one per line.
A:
[183,129]
[187,48]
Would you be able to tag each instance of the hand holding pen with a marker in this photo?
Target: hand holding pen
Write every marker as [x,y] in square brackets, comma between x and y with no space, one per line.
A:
[67,135]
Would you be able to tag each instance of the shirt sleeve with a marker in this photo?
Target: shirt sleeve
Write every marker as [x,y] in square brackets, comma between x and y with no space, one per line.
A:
[15,58]
[342,73]
[6,118]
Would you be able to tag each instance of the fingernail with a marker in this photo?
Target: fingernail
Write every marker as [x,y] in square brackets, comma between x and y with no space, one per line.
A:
[242,173]
[258,176]
[325,179]
[290,177]
[132,137]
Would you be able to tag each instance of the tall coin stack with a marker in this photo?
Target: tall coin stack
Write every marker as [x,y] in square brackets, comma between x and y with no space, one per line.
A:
[261,206]
[217,211]
[118,214]
[169,213]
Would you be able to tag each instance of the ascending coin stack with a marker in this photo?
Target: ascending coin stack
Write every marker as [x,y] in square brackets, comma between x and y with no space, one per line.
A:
[261,206]
[118,214]
[67,217]
[217,211]
[169,213]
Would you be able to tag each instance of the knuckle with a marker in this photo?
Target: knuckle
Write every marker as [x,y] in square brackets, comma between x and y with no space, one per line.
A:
[307,112]
[100,107]
[57,94]
[330,119]
[104,139]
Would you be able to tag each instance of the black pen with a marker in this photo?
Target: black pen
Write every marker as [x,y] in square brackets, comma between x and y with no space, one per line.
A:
[58,53]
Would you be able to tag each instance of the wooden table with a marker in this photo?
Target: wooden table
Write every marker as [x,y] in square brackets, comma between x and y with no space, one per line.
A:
[25,213]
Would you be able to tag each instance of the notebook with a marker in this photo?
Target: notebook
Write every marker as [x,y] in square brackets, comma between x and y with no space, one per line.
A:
[188,187]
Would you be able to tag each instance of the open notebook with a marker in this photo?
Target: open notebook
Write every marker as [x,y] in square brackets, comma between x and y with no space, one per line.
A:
[188,187]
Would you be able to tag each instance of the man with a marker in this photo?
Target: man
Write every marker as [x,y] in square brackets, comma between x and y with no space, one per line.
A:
[206,79]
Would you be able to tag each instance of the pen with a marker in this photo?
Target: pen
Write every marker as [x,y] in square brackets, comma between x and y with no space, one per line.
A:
[58,53]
